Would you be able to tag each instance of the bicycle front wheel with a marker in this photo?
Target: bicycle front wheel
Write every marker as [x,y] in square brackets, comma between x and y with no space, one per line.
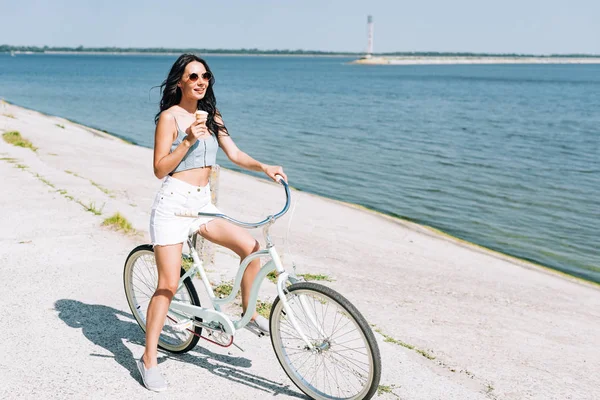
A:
[344,362]
[140,278]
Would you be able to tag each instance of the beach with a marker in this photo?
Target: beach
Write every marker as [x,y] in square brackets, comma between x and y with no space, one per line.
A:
[453,320]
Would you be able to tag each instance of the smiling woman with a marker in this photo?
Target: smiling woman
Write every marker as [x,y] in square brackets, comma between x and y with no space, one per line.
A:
[189,131]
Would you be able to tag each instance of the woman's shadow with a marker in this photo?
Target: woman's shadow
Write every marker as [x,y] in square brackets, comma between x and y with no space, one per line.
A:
[102,326]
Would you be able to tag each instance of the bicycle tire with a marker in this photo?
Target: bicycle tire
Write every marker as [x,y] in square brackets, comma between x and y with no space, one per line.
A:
[167,340]
[291,351]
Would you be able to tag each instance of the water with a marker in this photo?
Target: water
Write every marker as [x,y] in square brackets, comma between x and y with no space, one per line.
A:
[506,156]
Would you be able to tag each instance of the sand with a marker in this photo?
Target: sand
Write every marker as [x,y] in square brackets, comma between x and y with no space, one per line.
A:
[483,325]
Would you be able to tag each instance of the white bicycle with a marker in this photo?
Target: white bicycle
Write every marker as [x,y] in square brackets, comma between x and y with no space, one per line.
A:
[321,340]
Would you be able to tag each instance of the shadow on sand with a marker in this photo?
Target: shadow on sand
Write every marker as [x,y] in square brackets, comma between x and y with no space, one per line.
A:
[102,326]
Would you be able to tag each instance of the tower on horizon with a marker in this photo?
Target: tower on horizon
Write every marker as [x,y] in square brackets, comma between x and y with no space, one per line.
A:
[369,37]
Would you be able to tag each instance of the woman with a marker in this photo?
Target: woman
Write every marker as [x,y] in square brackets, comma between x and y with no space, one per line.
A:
[185,148]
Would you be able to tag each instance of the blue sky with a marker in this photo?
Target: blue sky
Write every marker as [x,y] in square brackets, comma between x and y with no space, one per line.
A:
[508,26]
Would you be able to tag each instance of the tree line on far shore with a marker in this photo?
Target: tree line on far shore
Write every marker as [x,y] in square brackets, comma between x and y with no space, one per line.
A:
[154,50]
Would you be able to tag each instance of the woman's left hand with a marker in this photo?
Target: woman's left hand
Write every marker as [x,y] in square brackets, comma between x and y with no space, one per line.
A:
[272,170]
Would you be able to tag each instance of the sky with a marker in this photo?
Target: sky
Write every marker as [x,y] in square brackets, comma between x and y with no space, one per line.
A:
[508,26]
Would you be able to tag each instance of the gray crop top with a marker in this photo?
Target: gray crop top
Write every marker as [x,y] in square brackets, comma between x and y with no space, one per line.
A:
[203,153]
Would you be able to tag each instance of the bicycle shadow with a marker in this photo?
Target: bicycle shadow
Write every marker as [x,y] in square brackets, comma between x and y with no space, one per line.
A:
[100,325]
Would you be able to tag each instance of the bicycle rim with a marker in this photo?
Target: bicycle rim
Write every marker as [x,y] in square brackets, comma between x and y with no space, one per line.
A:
[345,361]
[141,280]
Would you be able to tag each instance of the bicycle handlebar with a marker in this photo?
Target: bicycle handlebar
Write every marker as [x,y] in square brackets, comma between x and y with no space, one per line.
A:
[248,225]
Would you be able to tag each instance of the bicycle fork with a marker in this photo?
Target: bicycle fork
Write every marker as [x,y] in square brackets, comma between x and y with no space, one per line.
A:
[281,280]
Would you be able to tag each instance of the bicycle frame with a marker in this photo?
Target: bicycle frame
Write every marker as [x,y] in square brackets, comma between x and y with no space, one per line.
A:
[214,314]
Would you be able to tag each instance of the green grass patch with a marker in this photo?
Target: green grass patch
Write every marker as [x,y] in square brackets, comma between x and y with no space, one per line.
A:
[21,166]
[425,354]
[62,191]
[9,159]
[9,116]
[60,126]
[186,263]
[316,277]
[389,339]
[102,188]
[44,180]
[381,389]
[272,276]
[263,308]
[16,139]
[118,223]
[91,207]
[223,290]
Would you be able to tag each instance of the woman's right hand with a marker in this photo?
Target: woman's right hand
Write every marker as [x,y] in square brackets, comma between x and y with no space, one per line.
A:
[195,130]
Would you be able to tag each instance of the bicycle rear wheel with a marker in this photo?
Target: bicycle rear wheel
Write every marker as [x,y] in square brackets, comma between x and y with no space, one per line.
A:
[345,362]
[140,278]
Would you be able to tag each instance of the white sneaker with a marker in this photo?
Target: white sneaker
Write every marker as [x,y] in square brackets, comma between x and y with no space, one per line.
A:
[152,378]
[259,326]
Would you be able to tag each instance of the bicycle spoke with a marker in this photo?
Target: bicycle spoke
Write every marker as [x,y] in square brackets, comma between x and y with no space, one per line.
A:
[141,280]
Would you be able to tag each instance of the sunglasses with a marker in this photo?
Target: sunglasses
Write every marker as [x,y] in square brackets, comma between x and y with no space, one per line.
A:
[206,76]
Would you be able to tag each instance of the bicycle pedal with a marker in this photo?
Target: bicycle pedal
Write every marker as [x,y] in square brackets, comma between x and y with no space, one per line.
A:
[257,332]
[182,326]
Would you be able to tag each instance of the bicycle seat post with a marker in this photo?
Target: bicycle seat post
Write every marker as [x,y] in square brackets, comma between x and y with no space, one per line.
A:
[194,239]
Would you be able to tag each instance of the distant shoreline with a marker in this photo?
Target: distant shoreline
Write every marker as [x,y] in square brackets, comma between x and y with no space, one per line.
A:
[5,48]
[446,60]
[376,60]
[132,53]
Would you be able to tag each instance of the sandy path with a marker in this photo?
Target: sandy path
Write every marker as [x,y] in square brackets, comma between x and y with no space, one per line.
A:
[495,327]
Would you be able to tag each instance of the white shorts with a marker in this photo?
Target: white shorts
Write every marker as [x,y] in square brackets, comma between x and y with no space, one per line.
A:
[178,196]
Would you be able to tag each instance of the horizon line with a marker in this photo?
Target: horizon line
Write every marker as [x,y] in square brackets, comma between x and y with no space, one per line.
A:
[80,48]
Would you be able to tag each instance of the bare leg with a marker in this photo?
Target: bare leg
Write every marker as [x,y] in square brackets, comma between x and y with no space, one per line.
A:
[241,243]
[168,262]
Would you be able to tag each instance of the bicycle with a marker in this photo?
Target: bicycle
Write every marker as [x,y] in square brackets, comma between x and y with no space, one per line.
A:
[315,332]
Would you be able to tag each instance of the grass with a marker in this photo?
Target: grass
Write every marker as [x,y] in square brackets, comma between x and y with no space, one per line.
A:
[186,263]
[21,166]
[381,389]
[263,308]
[317,277]
[389,339]
[102,188]
[91,207]
[425,354]
[224,289]
[47,182]
[9,116]
[16,139]
[119,223]
[60,126]
[9,159]
[272,276]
